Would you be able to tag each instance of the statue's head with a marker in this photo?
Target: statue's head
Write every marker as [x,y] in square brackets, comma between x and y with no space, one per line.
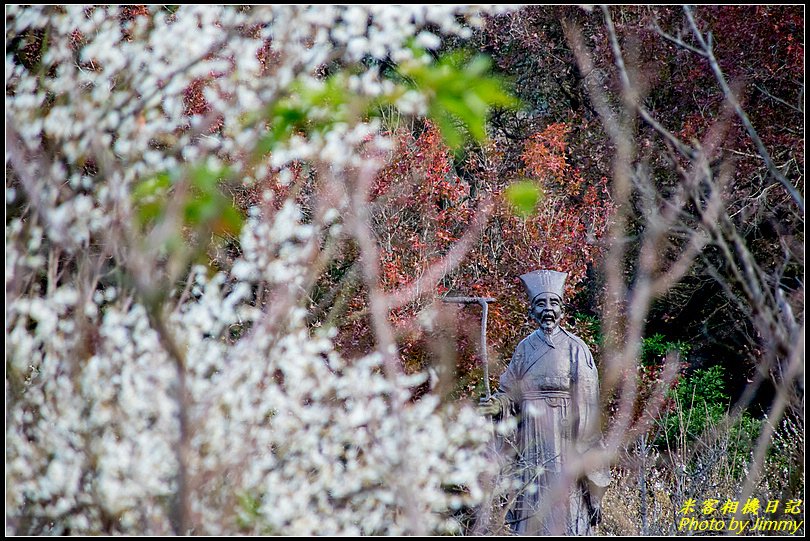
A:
[544,288]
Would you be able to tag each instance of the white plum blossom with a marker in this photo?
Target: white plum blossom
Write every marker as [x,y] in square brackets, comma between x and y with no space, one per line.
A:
[113,398]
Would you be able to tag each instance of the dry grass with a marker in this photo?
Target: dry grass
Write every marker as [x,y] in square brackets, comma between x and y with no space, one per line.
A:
[649,487]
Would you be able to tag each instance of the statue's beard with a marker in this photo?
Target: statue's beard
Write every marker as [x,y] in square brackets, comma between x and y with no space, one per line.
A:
[548,327]
[549,323]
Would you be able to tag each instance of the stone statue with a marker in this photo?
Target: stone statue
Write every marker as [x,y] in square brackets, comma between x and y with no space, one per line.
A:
[552,388]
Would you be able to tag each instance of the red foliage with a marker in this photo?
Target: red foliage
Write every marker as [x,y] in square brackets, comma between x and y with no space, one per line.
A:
[761,51]
[429,204]
[424,207]
[130,12]
[573,214]
[194,100]
[424,200]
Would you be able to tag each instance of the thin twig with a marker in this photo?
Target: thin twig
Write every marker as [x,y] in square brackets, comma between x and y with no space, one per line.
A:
[705,43]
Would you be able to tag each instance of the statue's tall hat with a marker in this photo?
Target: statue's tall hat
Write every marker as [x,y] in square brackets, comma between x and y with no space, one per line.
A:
[543,281]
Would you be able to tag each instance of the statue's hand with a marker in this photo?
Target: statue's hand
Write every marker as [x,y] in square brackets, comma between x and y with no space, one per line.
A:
[491,406]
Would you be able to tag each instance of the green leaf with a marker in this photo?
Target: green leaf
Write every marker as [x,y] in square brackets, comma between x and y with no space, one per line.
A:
[460,91]
[147,213]
[249,506]
[204,206]
[152,187]
[479,66]
[450,132]
[149,198]
[205,179]
[201,209]
[230,222]
[524,196]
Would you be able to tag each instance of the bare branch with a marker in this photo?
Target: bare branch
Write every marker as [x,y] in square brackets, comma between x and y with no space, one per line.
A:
[634,100]
[677,40]
[706,45]
[778,99]
[424,284]
[784,396]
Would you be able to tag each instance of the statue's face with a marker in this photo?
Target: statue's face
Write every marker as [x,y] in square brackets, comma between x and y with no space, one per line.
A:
[547,310]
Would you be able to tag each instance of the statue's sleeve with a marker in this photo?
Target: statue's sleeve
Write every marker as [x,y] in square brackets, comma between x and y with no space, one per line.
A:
[589,433]
[509,388]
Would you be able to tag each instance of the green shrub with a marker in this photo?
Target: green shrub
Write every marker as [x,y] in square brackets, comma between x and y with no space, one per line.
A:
[655,348]
[701,403]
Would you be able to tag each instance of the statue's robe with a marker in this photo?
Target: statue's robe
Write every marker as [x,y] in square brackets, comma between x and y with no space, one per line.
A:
[552,387]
